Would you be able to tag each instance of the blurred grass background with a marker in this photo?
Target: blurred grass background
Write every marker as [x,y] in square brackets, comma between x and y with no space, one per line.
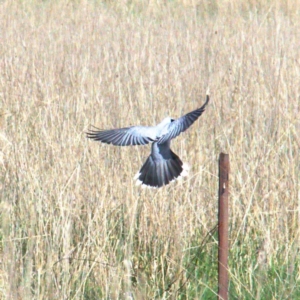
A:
[73,224]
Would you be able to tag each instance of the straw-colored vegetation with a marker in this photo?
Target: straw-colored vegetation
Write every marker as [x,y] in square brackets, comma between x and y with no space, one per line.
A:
[73,224]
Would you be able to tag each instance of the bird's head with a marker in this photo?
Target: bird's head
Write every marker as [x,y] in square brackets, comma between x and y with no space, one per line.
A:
[166,121]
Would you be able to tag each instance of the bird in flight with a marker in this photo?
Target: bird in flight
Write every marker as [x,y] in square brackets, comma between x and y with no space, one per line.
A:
[163,165]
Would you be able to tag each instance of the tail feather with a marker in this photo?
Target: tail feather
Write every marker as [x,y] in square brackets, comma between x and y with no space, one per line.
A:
[158,173]
[176,168]
[148,175]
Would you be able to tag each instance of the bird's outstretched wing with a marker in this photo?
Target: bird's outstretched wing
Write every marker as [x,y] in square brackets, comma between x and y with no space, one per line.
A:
[129,136]
[183,123]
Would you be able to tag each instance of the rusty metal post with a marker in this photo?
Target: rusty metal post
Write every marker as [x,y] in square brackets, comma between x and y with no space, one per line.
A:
[223,227]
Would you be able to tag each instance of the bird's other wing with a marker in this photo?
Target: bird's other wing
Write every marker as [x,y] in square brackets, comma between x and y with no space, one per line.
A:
[183,123]
[129,136]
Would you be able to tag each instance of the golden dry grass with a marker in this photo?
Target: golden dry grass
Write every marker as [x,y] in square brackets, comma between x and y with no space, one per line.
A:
[73,225]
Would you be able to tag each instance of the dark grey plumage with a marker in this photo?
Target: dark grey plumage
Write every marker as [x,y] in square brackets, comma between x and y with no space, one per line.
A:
[163,165]
[182,124]
[128,136]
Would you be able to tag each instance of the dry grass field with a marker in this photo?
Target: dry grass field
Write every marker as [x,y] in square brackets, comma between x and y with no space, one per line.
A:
[73,223]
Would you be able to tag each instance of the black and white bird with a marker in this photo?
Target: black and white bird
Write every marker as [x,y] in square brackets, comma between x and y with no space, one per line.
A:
[163,165]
